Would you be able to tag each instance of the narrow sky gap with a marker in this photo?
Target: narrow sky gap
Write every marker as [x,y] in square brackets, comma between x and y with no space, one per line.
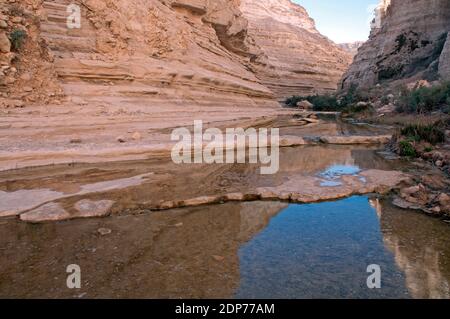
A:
[342,21]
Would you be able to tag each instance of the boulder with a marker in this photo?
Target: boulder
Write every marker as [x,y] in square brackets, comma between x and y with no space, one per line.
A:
[46,212]
[305,105]
[388,108]
[89,208]
[415,194]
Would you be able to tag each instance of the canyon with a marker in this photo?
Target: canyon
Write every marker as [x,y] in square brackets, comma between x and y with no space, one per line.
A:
[408,42]
[113,85]
[87,176]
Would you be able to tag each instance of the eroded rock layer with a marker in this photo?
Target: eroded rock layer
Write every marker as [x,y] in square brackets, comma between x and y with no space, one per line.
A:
[157,52]
[296,58]
[154,53]
[407,42]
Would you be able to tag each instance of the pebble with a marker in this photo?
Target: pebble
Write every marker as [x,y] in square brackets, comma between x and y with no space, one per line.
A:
[104,231]
[218,258]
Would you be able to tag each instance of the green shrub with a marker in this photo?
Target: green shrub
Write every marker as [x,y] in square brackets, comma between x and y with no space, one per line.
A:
[319,102]
[324,103]
[431,133]
[425,99]
[328,102]
[357,108]
[407,149]
[17,38]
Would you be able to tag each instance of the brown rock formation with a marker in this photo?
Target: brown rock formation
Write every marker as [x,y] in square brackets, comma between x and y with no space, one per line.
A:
[197,52]
[296,58]
[406,43]
[351,47]
[166,52]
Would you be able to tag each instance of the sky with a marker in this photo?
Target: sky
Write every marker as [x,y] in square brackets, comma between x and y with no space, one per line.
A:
[341,20]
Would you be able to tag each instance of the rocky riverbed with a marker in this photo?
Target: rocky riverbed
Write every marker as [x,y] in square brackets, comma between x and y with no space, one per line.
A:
[154,213]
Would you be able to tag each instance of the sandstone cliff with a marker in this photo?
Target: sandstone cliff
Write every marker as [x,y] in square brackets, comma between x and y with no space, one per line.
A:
[296,58]
[407,43]
[167,52]
[156,52]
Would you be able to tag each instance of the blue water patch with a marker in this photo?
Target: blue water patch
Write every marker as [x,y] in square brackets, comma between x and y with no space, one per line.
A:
[337,171]
[333,174]
[319,251]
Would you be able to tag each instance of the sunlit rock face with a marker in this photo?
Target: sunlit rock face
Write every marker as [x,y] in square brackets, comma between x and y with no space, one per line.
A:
[406,43]
[156,52]
[296,59]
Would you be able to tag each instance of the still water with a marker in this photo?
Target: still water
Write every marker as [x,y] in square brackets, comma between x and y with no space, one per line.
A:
[234,250]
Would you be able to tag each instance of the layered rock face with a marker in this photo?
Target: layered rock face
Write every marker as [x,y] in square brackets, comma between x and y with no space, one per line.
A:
[157,52]
[296,59]
[167,52]
[407,42]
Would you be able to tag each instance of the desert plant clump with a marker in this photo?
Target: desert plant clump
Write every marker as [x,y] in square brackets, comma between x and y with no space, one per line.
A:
[17,38]
[406,148]
[330,102]
[431,133]
[425,99]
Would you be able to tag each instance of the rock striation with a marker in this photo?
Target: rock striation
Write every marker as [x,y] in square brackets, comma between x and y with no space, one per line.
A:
[296,58]
[407,43]
[153,52]
[163,52]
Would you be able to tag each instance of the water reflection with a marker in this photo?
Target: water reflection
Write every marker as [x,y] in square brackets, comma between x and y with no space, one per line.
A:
[319,251]
[421,246]
[257,249]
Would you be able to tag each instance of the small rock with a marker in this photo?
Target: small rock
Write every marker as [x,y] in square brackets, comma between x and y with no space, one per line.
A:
[436,210]
[16,20]
[3,24]
[218,258]
[104,231]
[439,163]
[178,225]
[443,199]
[136,136]
[26,76]
[362,104]
[121,139]
[415,194]
[18,103]
[306,105]
[27,89]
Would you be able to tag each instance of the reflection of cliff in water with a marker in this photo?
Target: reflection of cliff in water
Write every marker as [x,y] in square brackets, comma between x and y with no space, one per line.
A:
[421,248]
[178,254]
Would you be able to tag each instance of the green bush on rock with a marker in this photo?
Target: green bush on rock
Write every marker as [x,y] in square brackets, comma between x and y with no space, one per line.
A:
[17,38]
[407,149]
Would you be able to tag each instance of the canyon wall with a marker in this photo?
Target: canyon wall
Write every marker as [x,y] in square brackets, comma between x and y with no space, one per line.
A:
[296,59]
[409,41]
[156,53]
